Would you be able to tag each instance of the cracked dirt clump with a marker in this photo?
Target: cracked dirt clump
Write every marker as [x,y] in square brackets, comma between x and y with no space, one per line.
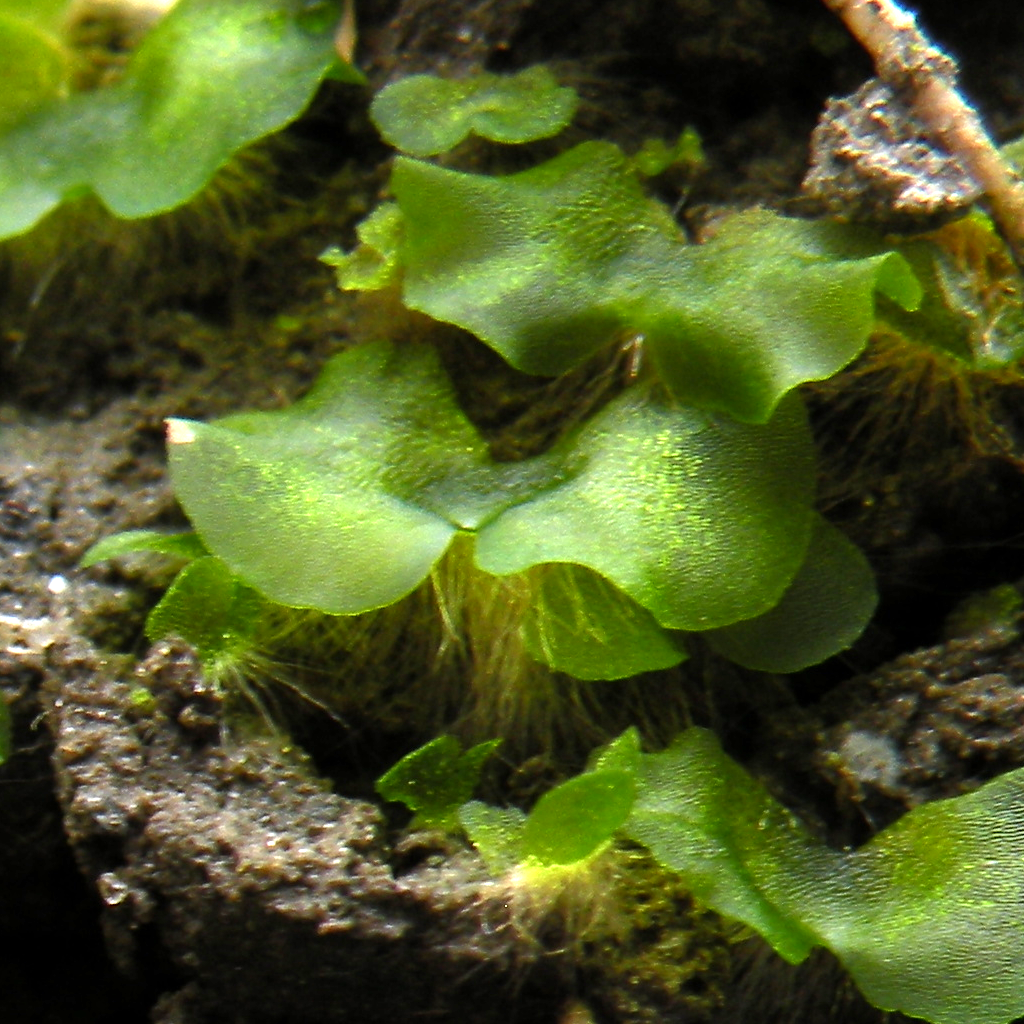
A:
[269,893]
[931,724]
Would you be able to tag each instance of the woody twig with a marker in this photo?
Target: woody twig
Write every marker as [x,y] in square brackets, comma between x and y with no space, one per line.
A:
[926,77]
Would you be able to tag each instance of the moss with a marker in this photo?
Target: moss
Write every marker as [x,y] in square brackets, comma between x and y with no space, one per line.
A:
[670,959]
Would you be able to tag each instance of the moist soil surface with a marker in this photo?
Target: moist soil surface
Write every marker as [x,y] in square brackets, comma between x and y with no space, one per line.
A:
[168,858]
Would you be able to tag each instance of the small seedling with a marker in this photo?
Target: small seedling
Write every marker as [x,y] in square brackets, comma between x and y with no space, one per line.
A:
[436,780]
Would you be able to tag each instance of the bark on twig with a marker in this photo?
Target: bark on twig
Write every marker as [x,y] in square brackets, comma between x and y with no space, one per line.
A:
[907,61]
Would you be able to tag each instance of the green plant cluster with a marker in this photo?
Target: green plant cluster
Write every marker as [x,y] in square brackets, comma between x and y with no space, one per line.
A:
[152,139]
[644,521]
[925,916]
[683,506]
